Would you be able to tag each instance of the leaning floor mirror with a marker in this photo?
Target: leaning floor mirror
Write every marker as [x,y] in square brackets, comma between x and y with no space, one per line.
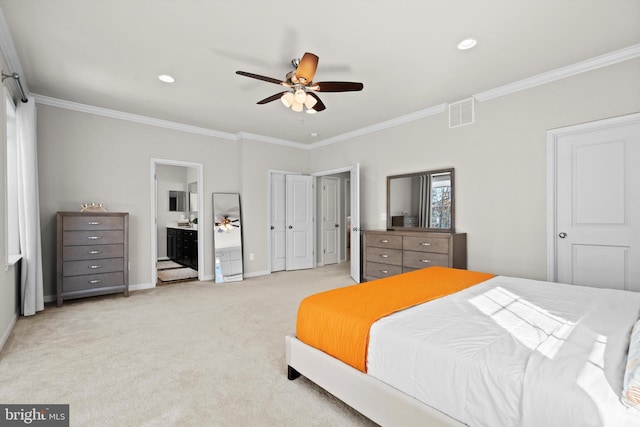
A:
[227,238]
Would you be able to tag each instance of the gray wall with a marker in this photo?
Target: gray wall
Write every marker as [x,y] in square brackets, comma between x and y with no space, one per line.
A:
[500,162]
[83,157]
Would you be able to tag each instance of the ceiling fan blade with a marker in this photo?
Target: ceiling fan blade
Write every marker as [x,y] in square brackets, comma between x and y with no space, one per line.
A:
[338,86]
[307,68]
[272,98]
[319,105]
[259,77]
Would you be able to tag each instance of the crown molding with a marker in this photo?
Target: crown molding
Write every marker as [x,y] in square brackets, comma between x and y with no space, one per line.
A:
[115,114]
[420,114]
[607,59]
[271,140]
[84,108]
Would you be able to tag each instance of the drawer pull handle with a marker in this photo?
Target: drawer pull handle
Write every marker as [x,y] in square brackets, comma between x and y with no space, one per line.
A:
[94,252]
[94,237]
[384,271]
[93,267]
[94,281]
[384,241]
[425,244]
[425,261]
[384,256]
[94,222]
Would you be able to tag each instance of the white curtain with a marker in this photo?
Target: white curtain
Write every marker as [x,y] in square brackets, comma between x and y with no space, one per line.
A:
[32,298]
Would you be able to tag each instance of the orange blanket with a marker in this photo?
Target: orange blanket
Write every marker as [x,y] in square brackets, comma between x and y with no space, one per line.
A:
[338,321]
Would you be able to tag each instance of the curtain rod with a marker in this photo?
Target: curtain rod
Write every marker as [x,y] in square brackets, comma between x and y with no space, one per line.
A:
[16,78]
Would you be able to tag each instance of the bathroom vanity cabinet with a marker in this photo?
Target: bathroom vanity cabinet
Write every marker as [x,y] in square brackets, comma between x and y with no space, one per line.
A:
[182,246]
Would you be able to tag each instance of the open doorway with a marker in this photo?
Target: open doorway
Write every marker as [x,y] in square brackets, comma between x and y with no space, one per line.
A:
[177,206]
[347,234]
[333,211]
[350,212]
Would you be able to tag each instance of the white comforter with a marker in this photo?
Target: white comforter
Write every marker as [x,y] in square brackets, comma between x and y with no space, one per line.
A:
[513,352]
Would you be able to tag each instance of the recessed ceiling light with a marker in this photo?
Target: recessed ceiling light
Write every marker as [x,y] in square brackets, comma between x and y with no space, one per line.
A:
[314,134]
[166,78]
[467,44]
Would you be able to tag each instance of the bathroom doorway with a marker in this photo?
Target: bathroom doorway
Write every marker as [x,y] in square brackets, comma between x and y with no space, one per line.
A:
[177,206]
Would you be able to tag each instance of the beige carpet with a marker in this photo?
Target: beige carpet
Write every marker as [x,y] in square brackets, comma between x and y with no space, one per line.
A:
[190,354]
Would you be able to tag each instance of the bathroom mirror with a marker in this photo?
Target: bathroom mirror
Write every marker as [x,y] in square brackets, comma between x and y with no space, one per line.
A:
[421,201]
[227,237]
[193,197]
[177,201]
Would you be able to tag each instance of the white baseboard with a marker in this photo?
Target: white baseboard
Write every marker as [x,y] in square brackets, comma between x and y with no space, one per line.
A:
[141,286]
[256,274]
[7,332]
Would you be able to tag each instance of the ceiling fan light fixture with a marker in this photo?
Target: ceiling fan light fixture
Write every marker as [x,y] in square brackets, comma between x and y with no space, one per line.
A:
[288,99]
[301,90]
[300,96]
[310,102]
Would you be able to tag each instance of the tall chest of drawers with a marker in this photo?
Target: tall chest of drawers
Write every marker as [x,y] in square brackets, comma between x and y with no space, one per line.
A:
[387,253]
[92,254]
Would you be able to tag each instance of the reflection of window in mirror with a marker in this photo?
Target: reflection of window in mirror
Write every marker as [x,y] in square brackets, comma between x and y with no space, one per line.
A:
[440,201]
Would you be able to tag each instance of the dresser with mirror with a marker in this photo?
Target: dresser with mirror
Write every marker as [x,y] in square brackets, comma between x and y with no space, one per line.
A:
[420,227]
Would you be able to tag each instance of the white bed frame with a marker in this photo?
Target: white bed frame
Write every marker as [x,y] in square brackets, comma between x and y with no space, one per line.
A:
[371,397]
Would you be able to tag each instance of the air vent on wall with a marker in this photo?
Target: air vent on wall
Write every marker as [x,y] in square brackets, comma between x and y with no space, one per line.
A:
[461,113]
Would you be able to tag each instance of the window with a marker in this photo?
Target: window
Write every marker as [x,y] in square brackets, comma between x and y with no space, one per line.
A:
[12,231]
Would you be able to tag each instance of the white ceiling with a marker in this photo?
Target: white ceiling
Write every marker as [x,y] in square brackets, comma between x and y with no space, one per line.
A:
[108,54]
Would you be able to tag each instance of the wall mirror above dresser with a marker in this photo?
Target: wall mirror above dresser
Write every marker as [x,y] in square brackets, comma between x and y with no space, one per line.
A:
[421,201]
[420,227]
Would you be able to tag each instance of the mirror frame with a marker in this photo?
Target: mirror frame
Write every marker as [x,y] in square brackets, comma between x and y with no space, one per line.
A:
[431,229]
[221,272]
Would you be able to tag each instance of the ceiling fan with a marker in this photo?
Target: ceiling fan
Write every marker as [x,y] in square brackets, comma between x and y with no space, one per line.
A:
[301,89]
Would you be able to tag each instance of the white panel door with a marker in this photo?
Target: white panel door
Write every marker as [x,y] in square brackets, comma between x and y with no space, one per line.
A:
[330,220]
[299,210]
[355,222]
[278,222]
[597,207]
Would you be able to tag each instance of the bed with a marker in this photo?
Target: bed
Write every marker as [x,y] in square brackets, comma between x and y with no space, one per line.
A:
[488,351]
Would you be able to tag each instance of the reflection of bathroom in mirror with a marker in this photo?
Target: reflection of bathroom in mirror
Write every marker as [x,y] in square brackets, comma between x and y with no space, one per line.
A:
[421,201]
[227,237]
[177,201]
